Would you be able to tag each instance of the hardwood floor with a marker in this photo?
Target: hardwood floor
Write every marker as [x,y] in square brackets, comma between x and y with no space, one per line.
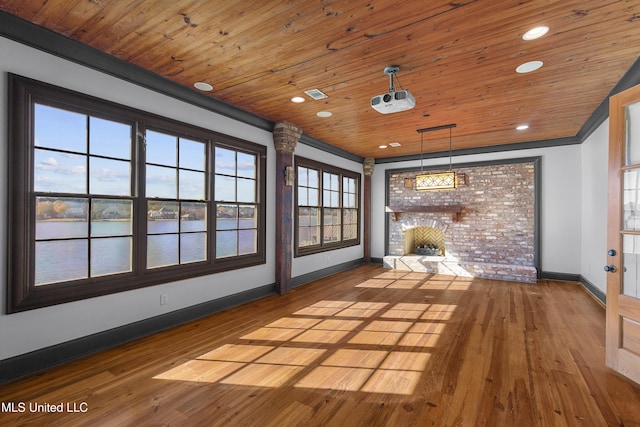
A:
[368,347]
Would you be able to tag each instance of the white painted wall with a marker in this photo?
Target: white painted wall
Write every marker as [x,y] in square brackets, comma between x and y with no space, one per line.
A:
[560,204]
[595,158]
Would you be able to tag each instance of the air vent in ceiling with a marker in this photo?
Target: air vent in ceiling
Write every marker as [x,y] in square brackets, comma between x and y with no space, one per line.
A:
[315,94]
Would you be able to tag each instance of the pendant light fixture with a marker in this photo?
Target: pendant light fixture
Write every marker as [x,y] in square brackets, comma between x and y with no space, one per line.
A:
[439,180]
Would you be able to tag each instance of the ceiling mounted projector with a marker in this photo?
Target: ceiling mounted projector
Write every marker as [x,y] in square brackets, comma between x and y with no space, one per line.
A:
[393,102]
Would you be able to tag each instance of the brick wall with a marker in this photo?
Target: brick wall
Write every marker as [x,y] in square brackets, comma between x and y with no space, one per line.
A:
[494,237]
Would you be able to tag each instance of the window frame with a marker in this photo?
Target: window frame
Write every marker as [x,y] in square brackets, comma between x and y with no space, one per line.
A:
[342,173]
[22,293]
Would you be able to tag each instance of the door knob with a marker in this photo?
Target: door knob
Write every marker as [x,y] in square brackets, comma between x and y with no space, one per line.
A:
[610,268]
[611,252]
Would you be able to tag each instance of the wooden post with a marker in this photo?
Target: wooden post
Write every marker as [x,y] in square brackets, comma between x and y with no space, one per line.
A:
[367,166]
[285,138]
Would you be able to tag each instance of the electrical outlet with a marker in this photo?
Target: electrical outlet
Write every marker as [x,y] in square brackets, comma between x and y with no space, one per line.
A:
[164,298]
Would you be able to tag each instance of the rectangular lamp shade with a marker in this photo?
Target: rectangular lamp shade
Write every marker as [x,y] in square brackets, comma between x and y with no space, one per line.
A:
[436,181]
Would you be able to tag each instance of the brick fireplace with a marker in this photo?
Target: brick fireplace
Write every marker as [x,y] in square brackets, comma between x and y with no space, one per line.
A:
[485,228]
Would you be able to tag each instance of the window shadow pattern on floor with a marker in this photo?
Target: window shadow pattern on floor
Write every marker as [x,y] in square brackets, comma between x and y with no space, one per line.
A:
[348,345]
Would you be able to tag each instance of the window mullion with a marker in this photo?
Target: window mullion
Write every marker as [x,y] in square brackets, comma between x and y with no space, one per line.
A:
[87,162]
[141,203]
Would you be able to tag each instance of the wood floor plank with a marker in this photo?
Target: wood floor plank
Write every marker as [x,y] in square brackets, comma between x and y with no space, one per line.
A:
[368,347]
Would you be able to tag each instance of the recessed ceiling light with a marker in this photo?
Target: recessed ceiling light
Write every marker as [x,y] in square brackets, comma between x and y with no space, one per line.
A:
[522,127]
[382,146]
[535,33]
[297,99]
[324,114]
[205,87]
[394,144]
[528,67]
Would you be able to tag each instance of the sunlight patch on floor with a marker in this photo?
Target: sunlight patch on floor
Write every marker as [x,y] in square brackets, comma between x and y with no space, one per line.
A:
[333,344]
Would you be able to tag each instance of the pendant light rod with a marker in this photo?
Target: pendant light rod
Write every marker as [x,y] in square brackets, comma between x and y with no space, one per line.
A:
[421,143]
[450,149]
[431,129]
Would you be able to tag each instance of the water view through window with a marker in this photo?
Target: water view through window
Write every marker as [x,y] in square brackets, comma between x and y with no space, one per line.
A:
[85,208]
[69,246]
[236,197]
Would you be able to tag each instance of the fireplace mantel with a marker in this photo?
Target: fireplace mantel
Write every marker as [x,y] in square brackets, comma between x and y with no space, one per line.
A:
[454,210]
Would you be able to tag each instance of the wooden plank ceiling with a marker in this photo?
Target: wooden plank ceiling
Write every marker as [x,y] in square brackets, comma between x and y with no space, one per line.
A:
[457,58]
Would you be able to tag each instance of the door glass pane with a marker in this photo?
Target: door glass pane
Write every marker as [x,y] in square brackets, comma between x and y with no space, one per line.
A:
[630,200]
[630,262]
[632,122]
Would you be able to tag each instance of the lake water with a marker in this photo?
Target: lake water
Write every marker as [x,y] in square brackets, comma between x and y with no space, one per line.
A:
[111,246]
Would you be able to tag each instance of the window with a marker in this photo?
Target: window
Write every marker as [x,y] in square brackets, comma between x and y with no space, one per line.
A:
[236,208]
[105,198]
[327,213]
[175,194]
[82,194]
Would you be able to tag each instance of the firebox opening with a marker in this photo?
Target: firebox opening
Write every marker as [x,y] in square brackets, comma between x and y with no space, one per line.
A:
[426,241]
